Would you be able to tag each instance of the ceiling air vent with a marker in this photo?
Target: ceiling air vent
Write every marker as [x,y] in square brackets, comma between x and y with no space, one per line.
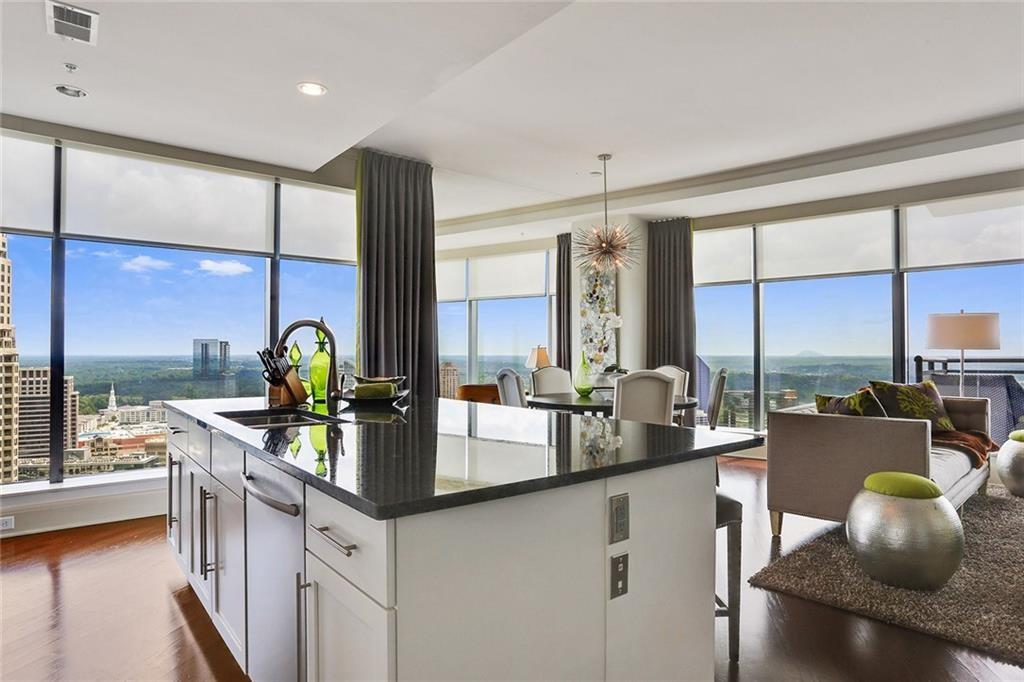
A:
[71,23]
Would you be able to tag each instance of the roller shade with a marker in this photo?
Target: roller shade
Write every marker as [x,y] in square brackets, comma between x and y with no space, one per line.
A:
[722,255]
[973,229]
[506,275]
[26,184]
[451,279]
[123,196]
[318,223]
[853,242]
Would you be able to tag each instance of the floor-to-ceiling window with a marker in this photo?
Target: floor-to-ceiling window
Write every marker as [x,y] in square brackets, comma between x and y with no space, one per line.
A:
[967,254]
[318,272]
[724,301]
[826,336]
[25,358]
[824,305]
[144,325]
[492,311]
[165,271]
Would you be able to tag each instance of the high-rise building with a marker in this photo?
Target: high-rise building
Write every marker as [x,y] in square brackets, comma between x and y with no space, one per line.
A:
[224,358]
[449,376]
[9,374]
[34,421]
[210,358]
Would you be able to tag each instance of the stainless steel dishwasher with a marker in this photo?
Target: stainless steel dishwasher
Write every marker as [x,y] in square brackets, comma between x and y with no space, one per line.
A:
[275,574]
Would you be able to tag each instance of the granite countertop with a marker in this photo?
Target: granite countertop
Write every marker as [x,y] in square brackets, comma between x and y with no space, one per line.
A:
[438,453]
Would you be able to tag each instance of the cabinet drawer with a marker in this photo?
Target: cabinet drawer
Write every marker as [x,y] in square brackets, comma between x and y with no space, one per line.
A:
[227,461]
[199,444]
[177,428]
[368,566]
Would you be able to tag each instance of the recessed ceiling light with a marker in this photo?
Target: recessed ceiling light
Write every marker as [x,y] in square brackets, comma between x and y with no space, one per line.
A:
[71,91]
[312,89]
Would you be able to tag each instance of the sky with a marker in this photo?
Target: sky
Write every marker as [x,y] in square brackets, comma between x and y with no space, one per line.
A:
[131,300]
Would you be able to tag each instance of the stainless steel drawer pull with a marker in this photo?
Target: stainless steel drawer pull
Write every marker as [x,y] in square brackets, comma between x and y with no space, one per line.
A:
[322,532]
[285,507]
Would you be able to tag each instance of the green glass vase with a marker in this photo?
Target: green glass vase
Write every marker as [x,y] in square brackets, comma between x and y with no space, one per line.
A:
[581,382]
[295,357]
[319,368]
[318,439]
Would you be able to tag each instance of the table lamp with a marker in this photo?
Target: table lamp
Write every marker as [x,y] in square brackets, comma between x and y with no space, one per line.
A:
[538,358]
[963,331]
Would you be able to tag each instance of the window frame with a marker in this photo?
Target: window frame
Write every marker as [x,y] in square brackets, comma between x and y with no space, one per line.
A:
[473,316]
[901,363]
[58,261]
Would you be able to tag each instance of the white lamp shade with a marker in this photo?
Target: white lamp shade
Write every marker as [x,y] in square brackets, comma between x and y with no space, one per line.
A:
[963,331]
[538,358]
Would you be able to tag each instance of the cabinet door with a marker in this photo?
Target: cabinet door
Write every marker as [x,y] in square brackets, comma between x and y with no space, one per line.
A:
[227,523]
[348,635]
[197,486]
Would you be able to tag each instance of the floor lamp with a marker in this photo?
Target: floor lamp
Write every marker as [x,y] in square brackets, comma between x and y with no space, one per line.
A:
[963,331]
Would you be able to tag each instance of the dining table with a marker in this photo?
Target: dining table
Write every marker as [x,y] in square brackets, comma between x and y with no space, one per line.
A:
[597,403]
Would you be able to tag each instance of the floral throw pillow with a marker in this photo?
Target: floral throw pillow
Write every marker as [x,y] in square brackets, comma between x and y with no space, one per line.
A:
[913,401]
[863,403]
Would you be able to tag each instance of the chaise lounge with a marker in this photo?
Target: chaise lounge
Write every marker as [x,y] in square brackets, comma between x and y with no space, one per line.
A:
[818,462]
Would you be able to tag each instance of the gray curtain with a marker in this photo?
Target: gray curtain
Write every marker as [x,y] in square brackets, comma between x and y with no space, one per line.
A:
[563,313]
[397,289]
[671,325]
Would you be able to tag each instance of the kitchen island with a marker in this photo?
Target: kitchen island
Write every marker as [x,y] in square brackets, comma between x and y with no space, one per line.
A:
[449,540]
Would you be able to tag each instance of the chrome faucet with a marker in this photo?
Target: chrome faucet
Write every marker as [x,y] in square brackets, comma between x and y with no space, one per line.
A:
[333,382]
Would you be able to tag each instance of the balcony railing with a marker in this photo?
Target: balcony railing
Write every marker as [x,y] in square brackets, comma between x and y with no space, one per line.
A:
[938,365]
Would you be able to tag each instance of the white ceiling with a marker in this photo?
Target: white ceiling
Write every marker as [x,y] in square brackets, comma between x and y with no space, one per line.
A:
[681,89]
[993,158]
[512,101]
[221,77]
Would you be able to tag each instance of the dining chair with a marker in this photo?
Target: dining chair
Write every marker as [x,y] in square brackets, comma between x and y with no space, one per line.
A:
[680,375]
[551,380]
[682,379]
[644,396]
[478,393]
[716,396]
[510,388]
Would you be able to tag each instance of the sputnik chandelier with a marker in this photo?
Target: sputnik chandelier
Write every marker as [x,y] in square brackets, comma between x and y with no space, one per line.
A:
[606,248]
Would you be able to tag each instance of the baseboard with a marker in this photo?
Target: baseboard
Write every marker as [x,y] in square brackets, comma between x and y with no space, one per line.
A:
[45,512]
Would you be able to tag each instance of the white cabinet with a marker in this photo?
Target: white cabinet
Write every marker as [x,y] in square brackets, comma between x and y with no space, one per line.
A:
[349,636]
[226,521]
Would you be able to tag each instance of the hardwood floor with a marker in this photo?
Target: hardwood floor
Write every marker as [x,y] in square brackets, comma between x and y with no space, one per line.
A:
[103,602]
[109,603]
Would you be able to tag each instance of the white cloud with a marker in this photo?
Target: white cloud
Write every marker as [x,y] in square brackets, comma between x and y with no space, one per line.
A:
[144,264]
[224,268]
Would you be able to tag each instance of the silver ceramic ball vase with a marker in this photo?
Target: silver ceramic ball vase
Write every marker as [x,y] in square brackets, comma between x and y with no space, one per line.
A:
[1010,466]
[905,542]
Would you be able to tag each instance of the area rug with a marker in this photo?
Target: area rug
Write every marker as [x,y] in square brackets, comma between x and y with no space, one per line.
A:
[981,607]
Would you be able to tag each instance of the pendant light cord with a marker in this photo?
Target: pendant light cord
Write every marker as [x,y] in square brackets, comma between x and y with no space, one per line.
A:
[604,162]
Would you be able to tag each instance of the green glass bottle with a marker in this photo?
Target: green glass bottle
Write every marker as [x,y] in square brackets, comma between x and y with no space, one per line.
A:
[295,357]
[581,382]
[295,446]
[319,368]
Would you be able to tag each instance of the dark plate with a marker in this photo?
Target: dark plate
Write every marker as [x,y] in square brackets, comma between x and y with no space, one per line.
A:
[350,398]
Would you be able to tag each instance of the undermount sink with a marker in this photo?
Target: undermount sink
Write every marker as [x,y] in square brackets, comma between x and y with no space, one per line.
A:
[278,418]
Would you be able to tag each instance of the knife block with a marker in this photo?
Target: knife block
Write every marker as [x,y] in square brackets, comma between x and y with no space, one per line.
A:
[291,393]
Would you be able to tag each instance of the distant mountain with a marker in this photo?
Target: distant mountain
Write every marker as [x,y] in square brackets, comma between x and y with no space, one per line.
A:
[809,354]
